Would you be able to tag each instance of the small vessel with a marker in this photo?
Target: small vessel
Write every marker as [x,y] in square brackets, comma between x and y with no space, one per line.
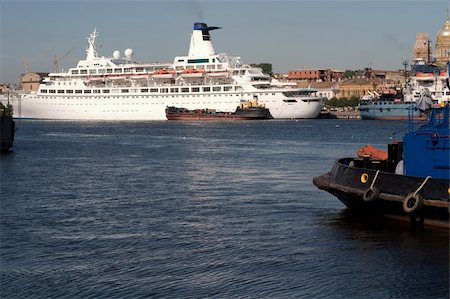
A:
[394,105]
[247,110]
[7,127]
[428,77]
[411,182]
[387,105]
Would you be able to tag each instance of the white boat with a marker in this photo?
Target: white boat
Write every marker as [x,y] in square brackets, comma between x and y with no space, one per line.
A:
[192,73]
[115,88]
[163,74]
[218,74]
[428,77]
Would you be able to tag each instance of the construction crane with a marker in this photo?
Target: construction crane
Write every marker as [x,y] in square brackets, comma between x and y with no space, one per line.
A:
[57,60]
[26,62]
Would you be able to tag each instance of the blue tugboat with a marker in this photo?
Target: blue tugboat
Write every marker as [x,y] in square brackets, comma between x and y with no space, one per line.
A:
[412,184]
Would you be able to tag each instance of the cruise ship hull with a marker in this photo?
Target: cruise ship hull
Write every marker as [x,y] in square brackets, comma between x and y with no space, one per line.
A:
[147,108]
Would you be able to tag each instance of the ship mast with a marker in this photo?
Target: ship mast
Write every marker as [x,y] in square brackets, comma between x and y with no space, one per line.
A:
[90,51]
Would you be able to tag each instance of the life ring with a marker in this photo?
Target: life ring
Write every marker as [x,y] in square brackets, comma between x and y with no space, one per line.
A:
[371,194]
[412,202]
[364,178]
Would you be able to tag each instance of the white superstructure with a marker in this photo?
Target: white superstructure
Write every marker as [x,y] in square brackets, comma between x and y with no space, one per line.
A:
[425,77]
[117,88]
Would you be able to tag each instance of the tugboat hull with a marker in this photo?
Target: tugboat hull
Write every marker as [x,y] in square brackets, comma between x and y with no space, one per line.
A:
[6,133]
[371,190]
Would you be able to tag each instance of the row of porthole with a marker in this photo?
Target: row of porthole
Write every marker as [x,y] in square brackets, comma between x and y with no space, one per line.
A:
[389,109]
[95,104]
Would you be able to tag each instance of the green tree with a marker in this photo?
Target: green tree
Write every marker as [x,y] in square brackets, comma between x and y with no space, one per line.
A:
[343,102]
[266,67]
[333,102]
[353,101]
[349,74]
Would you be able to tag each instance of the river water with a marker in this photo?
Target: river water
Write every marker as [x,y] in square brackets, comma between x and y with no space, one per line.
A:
[201,210]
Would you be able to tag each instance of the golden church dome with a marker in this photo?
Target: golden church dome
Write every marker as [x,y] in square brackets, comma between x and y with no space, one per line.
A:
[445,30]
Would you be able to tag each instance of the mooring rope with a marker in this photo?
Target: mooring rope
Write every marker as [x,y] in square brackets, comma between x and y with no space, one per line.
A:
[421,186]
[374,179]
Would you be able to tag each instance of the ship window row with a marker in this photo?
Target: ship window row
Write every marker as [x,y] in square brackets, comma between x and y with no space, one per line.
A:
[247,95]
[148,90]
[160,96]
[143,97]
[111,71]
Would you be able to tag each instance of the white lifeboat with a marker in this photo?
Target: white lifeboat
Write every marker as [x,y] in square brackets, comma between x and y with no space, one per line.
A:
[218,74]
[191,73]
[163,74]
[139,76]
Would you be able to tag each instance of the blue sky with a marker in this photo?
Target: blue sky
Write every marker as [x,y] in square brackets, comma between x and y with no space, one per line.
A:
[289,34]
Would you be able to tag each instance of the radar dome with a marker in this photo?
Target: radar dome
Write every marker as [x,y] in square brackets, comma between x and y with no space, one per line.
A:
[128,53]
[116,54]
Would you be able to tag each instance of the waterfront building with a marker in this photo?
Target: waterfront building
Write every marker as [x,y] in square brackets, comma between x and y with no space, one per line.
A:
[398,77]
[325,75]
[356,87]
[31,81]
[324,89]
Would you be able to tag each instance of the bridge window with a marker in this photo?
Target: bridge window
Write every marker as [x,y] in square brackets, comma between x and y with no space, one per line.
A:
[200,60]
[205,34]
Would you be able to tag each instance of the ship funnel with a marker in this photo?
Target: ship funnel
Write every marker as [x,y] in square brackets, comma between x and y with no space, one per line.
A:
[201,44]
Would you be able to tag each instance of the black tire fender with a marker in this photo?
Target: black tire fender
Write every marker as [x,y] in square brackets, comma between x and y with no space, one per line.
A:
[412,202]
[371,194]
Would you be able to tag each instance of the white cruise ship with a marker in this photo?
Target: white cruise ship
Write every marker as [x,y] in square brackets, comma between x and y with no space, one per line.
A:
[117,88]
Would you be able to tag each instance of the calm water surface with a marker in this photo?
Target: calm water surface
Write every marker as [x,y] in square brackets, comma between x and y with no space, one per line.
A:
[200,210]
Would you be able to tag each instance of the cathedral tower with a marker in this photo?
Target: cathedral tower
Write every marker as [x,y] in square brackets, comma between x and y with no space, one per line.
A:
[422,48]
